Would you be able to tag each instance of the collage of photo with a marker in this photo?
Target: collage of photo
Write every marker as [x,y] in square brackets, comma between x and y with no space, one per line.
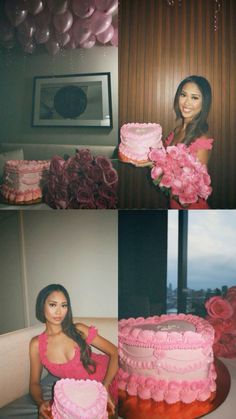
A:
[121,115]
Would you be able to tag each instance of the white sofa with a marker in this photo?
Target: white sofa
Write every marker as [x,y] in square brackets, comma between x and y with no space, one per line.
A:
[14,359]
[47,151]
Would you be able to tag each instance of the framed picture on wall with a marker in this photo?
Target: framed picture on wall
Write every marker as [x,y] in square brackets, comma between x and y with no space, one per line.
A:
[76,100]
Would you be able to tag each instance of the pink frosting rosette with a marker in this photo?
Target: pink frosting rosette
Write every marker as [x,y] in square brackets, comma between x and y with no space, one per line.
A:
[132,386]
[217,307]
[122,379]
[173,393]
[187,394]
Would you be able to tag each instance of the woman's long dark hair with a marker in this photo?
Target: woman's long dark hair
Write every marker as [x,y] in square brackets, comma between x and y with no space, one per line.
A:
[198,126]
[68,326]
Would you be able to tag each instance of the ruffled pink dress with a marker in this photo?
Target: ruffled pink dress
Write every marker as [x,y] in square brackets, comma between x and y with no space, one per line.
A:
[198,144]
[74,368]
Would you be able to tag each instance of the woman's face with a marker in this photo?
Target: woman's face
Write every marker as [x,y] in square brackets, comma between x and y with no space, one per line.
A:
[55,308]
[190,101]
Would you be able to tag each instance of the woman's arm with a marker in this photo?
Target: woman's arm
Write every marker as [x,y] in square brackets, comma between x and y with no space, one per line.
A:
[108,348]
[203,156]
[35,375]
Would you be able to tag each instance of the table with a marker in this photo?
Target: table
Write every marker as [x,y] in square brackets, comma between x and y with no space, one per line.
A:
[40,207]
[228,409]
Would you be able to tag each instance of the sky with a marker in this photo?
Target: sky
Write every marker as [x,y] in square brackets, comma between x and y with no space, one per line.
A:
[211,248]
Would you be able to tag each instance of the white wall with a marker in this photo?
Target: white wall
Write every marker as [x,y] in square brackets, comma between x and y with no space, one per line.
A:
[16,86]
[78,249]
[11,296]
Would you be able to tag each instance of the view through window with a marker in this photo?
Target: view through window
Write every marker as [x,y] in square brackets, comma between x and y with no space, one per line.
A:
[211,268]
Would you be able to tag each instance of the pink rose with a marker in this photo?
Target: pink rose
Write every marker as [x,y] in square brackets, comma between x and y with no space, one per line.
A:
[56,165]
[103,163]
[94,174]
[72,165]
[231,297]
[156,172]
[110,176]
[101,203]
[226,347]
[217,307]
[84,195]
[107,192]
[84,156]
[166,181]
[157,155]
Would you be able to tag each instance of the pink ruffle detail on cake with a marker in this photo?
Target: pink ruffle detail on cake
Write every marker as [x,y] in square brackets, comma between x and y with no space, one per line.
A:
[164,390]
[130,332]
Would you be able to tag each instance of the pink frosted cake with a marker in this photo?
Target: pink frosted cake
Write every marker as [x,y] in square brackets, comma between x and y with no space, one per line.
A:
[22,180]
[79,399]
[167,358]
[136,141]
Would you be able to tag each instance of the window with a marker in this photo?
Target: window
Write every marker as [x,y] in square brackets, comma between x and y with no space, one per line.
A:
[211,255]
[209,259]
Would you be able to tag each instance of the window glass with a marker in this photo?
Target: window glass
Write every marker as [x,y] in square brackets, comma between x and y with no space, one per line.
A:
[211,256]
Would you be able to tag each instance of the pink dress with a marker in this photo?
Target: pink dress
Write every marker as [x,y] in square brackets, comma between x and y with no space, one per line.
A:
[74,368]
[198,144]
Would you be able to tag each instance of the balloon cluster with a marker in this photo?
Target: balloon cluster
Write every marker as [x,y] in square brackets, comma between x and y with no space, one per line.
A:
[59,24]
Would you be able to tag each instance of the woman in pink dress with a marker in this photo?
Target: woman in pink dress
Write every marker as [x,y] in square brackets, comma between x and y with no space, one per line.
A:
[64,349]
[192,105]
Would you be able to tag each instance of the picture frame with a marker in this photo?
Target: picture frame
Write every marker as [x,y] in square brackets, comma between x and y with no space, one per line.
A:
[73,100]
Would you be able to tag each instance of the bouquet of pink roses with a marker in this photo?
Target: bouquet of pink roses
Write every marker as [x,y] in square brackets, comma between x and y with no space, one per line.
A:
[179,174]
[81,181]
[222,316]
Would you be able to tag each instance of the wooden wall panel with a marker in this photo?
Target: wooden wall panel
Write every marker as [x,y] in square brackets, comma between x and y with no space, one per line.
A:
[159,46]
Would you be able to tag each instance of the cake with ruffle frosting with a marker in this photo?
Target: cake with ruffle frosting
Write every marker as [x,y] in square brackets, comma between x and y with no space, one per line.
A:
[22,180]
[167,358]
[136,140]
[79,399]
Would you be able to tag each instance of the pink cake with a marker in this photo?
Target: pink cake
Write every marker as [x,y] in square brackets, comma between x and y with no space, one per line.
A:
[79,399]
[22,180]
[136,141]
[167,358]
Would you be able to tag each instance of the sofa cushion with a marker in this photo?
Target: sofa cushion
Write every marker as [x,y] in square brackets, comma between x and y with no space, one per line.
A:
[47,151]
[25,407]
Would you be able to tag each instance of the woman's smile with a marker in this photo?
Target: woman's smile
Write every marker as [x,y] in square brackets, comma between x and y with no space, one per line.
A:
[190,101]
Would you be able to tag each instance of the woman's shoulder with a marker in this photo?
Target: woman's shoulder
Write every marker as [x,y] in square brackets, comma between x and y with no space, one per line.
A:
[34,343]
[81,327]
[88,332]
[204,142]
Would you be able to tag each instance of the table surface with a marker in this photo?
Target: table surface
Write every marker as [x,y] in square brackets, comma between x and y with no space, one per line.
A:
[40,207]
[226,410]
